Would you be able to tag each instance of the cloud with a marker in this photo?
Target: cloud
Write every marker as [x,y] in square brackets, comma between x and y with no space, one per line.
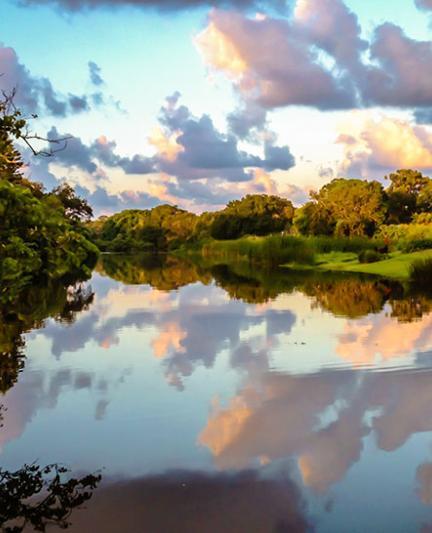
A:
[374,145]
[270,62]
[95,74]
[36,94]
[424,4]
[403,75]
[423,116]
[194,164]
[162,5]
[317,58]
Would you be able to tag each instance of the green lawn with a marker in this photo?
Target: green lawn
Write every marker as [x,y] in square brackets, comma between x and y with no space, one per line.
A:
[396,266]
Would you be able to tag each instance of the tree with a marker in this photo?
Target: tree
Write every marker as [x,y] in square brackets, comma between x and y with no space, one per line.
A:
[40,234]
[75,208]
[403,193]
[311,219]
[37,497]
[255,214]
[356,206]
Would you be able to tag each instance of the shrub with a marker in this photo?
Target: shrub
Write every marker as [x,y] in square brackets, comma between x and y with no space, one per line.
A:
[323,244]
[271,250]
[370,256]
[421,273]
[416,245]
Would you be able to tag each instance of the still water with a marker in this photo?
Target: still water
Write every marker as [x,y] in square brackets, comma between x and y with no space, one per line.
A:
[218,398]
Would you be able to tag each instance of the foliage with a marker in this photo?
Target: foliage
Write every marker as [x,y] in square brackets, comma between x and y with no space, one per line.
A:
[255,214]
[312,219]
[163,272]
[40,233]
[36,303]
[37,497]
[356,207]
[271,250]
[421,273]
[405,193]
[370,256]
[160,228]
[324,244]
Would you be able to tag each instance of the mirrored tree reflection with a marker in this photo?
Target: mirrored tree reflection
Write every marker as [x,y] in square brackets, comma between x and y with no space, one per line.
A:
[56,300]
[37,497]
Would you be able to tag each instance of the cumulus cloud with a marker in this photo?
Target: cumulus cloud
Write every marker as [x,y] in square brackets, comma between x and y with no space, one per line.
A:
[316,58]
[403,76]
[36,94]
[270,62]
[373,146]
[194,163]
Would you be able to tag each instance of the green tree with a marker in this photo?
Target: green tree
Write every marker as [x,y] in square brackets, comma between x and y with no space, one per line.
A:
[404,192]
[255,214]
[357,207]
[311,219]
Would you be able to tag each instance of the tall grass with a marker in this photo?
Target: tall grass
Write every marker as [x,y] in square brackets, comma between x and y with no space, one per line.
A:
[272,250]
[323,244]
[421,273]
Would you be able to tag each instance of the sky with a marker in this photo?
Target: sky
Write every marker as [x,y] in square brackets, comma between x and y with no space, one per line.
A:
[195,103]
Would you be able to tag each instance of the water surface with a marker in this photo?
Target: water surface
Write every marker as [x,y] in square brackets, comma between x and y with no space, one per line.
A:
[221,398]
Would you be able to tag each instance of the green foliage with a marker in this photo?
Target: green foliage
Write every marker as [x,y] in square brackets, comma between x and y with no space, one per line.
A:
[312,219]
[323,244]
[161,228]
[370,256]
[40,233]
[399,236]
[416,245]
[356,207]
[37,239]
[255,214]
[408,190]
[271,250]
[421,274]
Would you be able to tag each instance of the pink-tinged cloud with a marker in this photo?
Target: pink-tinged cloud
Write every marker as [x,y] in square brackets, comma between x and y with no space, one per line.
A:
[316,59]
[374,145]
[270,62]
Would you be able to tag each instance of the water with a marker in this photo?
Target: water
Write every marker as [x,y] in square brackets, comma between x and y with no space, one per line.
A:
[216,398]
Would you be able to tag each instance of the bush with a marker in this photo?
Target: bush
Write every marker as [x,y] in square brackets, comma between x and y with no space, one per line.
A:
[323,244]
[421,273]
[272,250]
[370,256]
[416,245]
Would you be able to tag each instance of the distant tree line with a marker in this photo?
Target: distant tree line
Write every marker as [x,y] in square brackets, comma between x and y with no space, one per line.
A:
[341,208]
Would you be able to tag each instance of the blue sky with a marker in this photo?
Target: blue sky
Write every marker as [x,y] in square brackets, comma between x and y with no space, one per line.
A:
[145,55]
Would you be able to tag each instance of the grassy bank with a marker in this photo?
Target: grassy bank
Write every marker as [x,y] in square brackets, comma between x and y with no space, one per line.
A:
[316,253]
[397,265]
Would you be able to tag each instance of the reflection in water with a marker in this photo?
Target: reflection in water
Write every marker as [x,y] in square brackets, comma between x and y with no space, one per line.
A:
[37,497]
[286,391]
[190,502]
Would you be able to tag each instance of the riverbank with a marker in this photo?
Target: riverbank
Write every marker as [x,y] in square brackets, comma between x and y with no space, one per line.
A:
[311,253]
[397,264]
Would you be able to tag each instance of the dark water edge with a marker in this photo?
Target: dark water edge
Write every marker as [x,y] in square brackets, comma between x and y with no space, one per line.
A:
[322,409]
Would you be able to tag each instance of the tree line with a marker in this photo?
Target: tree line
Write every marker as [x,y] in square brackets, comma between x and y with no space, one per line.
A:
[341,208]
